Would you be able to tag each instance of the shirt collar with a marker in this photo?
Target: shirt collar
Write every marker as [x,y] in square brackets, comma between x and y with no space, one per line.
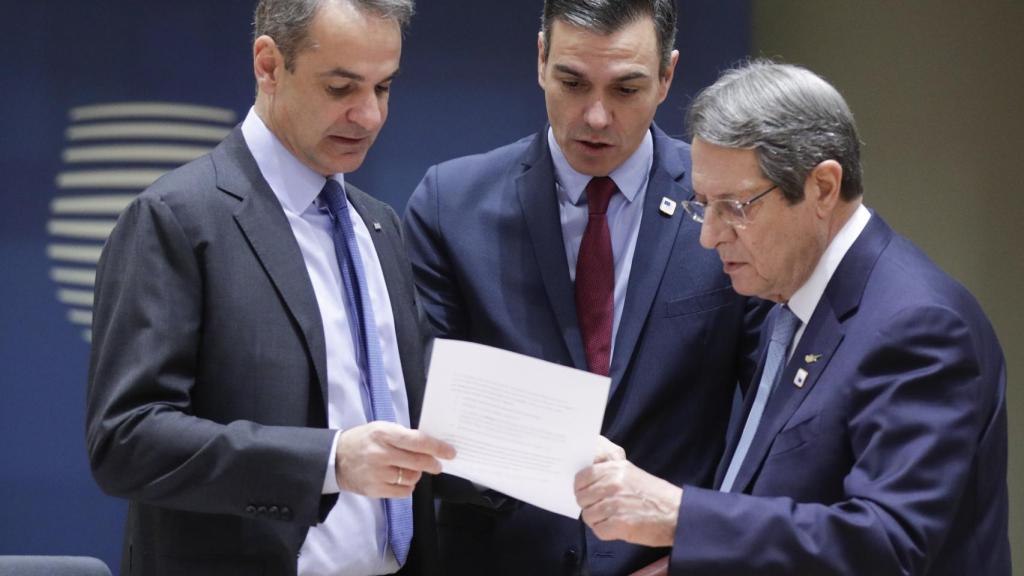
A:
[295,184]
[806,298]
[628,177]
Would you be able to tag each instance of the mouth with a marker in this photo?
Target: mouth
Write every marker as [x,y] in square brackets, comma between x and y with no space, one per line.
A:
[347,141]
[730,267]
[594,145]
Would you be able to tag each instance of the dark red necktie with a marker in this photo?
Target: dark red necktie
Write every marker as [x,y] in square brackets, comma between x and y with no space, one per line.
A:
[595,278]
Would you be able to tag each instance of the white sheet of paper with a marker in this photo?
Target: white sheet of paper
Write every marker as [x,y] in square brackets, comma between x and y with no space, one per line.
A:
[521,426]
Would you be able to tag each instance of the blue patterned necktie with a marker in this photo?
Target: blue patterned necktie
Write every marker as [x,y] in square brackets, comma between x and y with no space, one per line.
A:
[398,511]
[785,327]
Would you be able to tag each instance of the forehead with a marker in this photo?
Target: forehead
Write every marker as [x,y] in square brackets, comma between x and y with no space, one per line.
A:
[634,45]
[342,35]
[720,172]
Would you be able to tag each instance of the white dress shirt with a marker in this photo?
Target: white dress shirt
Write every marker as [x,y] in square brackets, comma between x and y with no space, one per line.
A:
[806,298]
[625,210]
[353,539]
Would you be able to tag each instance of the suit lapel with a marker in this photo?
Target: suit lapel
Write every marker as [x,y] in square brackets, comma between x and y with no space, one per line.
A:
[539,202]
[654,245]
[265,226]
[820,340]
[818,344]
[388,245]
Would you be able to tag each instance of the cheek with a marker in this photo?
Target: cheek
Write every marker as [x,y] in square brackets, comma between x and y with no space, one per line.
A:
[764,256]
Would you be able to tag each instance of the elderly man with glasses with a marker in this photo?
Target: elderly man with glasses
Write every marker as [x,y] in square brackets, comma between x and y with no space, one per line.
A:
[873,438]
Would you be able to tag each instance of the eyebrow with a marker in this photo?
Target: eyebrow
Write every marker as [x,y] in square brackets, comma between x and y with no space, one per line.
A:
[566,69]
[349,75]
[635,75]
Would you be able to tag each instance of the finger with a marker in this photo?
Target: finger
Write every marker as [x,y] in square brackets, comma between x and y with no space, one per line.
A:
[406,477]
[606,530]
[419,442]
[597,518]
[586,477]
[608,451]
[411,461]
[388,490]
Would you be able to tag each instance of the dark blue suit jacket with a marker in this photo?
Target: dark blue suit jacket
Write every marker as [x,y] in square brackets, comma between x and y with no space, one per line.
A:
[489,261]
[891,458]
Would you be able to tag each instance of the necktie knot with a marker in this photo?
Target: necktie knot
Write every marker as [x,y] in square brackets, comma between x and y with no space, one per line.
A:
[599,193]
[785,327]
[334,196]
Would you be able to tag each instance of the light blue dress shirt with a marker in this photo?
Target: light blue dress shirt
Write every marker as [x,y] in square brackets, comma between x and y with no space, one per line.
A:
[625,211]
[352,541]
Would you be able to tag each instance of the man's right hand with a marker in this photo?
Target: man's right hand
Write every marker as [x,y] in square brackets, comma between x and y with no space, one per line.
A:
[385,460]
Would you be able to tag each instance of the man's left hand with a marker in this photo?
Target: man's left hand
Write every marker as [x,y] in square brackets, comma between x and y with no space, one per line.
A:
[622,502]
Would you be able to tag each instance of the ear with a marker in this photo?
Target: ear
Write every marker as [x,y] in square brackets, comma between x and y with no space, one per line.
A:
[666,78]
[823,186]
[267,63]
[540,59]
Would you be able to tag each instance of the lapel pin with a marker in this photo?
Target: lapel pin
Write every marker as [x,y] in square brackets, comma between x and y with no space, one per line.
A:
[668,206]
[801,376]
[811,358]
[376,226]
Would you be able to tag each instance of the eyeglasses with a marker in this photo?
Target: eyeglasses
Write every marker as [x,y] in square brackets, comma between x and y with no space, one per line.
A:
[727,210]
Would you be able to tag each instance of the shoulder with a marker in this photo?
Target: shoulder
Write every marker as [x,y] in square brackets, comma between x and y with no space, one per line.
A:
[671,152]
[485,167]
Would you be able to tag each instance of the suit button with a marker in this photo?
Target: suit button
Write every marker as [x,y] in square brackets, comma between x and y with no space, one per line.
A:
[261,510]
[572,557]
[273,511]
[286,511]
[250,509]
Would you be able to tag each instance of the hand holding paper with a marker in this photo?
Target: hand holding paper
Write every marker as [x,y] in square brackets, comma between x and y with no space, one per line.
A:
[521,426]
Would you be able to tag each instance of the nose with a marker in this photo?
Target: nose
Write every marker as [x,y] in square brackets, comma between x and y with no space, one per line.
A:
[713,231]
[596,116]
[369,112]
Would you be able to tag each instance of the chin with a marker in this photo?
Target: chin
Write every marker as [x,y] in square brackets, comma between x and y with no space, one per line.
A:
[590,166]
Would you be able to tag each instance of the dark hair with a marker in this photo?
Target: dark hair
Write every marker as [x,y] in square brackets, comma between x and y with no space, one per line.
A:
[608,16]
[288,21]
[791,117]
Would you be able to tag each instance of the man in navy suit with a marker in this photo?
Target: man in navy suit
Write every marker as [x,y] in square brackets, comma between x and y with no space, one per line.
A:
[568,246]
[874,437]
[258,354]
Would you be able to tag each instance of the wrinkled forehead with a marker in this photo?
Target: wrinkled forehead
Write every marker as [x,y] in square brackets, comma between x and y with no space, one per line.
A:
[720,172]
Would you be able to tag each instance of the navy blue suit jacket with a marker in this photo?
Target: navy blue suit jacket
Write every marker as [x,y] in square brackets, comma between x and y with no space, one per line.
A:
[891,458]
[489,262]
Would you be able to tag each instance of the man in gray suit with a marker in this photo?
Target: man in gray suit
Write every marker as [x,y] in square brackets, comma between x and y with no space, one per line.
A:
[258,358]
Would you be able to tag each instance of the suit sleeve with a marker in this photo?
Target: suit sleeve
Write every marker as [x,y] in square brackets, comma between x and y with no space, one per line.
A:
[914,417]
[144,440]
[436,280]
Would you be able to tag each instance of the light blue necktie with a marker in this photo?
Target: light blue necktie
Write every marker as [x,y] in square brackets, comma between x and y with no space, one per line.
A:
[785,327]
[398,511]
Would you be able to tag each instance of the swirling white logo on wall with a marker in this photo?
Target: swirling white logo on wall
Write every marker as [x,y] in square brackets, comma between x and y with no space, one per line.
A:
[113,152]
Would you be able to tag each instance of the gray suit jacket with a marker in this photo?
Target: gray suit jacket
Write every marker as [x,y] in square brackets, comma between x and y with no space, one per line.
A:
[207,382]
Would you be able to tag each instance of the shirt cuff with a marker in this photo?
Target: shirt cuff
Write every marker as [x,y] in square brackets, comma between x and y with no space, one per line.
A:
[330,476]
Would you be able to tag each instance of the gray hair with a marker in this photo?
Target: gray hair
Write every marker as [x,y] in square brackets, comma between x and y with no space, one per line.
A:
[608,16]
[791,117]
[288,21]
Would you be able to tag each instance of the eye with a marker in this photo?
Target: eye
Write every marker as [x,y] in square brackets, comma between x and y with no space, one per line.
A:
[571,84]
[627,90]
[338,91]
[383,89]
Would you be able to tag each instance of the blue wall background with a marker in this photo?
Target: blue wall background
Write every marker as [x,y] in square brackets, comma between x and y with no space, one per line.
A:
[468,84]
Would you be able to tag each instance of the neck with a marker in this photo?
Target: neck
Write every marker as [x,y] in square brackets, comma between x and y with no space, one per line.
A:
[842,214]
